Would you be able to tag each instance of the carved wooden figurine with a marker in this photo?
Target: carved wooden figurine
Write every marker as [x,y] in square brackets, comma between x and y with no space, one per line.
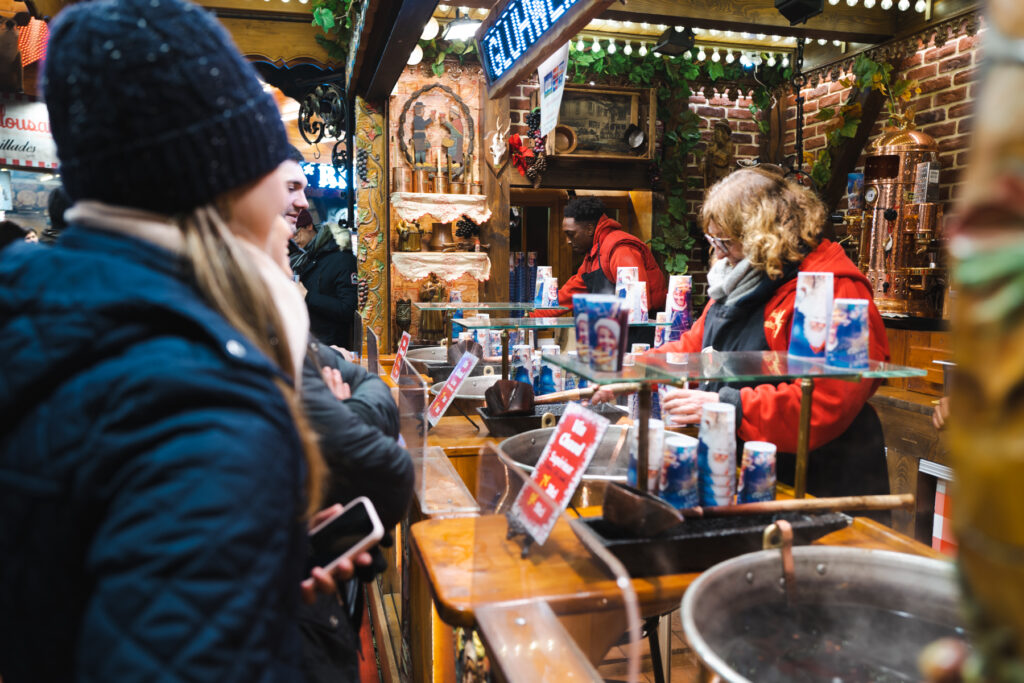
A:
[720,157]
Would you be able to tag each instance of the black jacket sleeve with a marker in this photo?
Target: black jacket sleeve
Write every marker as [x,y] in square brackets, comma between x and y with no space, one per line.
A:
[334,294]
[362,459]
[371,397]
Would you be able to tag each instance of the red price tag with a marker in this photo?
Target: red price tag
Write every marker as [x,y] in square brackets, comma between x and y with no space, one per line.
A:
[559,470]
[403,348]
[451,386]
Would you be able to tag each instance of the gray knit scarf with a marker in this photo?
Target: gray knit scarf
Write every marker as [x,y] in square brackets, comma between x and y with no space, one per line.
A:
[729,283]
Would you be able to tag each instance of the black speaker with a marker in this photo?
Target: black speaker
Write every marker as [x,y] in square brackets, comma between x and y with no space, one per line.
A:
[799,11]
[673,42]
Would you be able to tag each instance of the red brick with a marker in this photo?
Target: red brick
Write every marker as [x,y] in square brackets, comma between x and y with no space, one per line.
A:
[921,72]
[946,159]
[515,117]
[520,130]
[741,114]
[829,101]
[958,110]
[935,54]
[815,142]
[965,125]
[957,62]
[836,86]
[944,193]
[921,102]
[697,99]
[939,130]
[930,116]
[747,126]
[967,43]
[742,138]
[810,107]
[962,158]
[950,96]
[933,84]
[913,60]
[964,77]
[949,176]
[955,143]
[717,112]
[748,150]
[520,103]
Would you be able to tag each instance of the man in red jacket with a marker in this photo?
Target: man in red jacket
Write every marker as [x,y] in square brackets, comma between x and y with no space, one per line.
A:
[606,248]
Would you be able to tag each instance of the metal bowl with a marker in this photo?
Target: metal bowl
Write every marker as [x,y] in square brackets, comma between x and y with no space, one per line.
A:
[853,612]
[433,362]
[471,394]
[525,449]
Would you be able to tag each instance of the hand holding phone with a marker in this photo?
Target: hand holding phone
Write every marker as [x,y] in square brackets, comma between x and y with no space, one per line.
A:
[353,529]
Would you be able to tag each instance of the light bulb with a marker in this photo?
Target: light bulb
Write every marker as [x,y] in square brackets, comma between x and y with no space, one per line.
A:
[715,57]
[868,4]
[729,58]
[729,34]
[614,23]
[761,36]
[851,3]
[836,43]
[416,56]
[643,50]
[596,46]
[776,39]
[833,2]
[713,31]
[904,5]
[771,60]
[702,55]
[744,59]
[430,30]
[644,25]
[920,6]
[443,8]
[628,50]
[785,61]
[611,47]
[679,29]
[886,4]
[628,24]
[822,41]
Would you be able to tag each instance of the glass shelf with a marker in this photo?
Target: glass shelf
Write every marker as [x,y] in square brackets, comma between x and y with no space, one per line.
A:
[532,323]
[484,306]
[730,366]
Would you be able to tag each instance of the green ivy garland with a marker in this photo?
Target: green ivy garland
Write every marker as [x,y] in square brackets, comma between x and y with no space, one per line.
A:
[336,19]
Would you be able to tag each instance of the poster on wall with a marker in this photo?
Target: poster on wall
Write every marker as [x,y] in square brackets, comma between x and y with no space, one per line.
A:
[551,75]
[25,139]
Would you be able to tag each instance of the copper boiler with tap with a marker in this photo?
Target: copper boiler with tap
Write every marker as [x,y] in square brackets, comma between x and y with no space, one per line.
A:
[899,248]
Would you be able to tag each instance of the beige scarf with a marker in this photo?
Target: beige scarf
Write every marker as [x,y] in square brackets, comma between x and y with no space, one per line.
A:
[165,233]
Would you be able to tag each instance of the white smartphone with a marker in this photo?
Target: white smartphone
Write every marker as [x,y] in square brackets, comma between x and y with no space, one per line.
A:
[344,535]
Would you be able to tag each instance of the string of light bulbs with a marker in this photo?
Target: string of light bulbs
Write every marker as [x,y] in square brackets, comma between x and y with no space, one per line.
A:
[717,54]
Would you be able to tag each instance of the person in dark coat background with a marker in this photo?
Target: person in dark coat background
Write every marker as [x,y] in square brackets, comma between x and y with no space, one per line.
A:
[330,276]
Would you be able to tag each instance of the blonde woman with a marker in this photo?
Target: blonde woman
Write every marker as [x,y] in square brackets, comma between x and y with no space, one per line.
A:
[155,473]
[763,229]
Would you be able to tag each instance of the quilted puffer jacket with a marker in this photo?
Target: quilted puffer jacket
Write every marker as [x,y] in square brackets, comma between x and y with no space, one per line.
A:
[151,480]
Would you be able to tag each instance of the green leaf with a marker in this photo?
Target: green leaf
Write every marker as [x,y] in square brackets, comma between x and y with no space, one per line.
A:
[715,70]
[849,128]
[438,67]
[323,18]
[825,114]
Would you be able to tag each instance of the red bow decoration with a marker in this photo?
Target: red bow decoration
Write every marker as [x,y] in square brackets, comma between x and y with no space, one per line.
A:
[519,154]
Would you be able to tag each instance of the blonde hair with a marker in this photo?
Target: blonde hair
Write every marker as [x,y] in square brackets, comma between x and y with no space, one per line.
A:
[777,220]
[228,282]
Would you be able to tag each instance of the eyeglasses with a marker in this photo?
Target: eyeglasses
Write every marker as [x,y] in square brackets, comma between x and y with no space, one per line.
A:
[720,243]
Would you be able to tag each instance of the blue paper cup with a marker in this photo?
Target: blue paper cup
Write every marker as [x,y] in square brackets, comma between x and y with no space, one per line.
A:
[757,472]
[849,336]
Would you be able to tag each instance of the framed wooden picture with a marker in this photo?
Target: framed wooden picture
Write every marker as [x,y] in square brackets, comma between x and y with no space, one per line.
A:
[606,122]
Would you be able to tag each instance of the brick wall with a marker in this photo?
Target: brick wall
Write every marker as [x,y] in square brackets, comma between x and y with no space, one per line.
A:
[947,77]
[519,100]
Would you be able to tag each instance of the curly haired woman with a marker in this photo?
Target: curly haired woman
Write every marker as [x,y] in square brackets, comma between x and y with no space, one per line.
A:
[763,230]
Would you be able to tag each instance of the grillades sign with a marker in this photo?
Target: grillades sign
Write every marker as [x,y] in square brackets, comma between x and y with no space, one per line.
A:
[25,139]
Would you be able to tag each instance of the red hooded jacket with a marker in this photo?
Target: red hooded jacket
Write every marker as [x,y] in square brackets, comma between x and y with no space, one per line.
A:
[614,248]
[772,413]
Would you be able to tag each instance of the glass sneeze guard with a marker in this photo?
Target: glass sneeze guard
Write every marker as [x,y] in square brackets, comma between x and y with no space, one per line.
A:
[533,323]
[484,306]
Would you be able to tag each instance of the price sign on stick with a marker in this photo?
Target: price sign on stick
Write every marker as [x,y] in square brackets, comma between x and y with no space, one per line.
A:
[451,387]
[403,348]
[559,470]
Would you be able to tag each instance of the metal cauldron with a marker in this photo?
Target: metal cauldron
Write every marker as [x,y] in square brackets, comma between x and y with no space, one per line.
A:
[433,362]
[872,610]
[470,395]
[525,449]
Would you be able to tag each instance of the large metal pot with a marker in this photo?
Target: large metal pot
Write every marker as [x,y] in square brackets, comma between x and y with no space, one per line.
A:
[526,449]
[856,614]
[433,362]
[471,394]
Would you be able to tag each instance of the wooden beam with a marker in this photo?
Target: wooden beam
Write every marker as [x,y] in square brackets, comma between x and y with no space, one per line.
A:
[496,188]
[279,43]
[395,44]
[844,160]
[565,28]
[589,174]
[836,22]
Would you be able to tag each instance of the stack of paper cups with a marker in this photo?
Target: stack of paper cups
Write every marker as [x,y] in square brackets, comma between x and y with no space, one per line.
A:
[677,306]
[550,378]
[522,363]
[659,331]
[655,453]
[849,336]
[678,484]
[716,454]
[757,472]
